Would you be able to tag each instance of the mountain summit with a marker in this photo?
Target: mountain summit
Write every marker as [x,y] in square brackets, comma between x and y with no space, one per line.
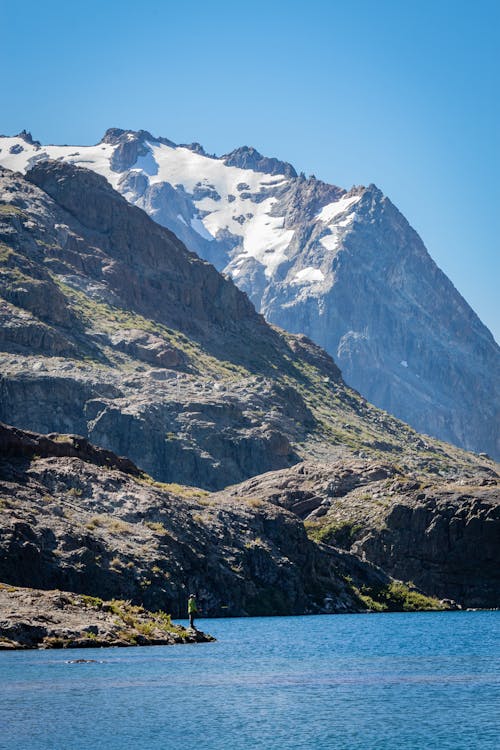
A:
[343,267]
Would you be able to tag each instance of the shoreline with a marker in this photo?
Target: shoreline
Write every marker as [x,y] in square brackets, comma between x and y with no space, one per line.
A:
[37,619]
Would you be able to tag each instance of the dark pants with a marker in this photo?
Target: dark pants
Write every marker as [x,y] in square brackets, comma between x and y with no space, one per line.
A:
[191,620]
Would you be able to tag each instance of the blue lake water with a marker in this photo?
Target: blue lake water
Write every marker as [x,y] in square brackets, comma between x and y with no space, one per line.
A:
[429,680]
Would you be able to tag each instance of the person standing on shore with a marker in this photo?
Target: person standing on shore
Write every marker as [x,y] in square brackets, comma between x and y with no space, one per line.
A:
[192,610]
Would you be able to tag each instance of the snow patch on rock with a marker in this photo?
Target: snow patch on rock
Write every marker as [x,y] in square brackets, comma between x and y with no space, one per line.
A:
[308,275]
[330,211]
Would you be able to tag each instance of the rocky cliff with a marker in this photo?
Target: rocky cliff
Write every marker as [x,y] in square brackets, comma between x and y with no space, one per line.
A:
[442,536]
[343,267]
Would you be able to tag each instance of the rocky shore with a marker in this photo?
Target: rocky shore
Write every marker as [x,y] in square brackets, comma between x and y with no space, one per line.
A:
[31,618]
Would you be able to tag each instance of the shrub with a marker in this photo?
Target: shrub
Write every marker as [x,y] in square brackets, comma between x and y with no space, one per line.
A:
[94,602]
[94,522]
[156,526]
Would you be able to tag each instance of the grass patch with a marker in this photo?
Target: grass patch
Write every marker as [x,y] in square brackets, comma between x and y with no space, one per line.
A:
[113,524]
[119,526]
[156,526]
[92,602]
[254,502]
[257,542]
[398,597]
[94,522]
[336,534]
[7,209]
[181,490]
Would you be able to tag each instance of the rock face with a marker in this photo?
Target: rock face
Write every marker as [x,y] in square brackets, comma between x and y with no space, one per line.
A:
[111,329]
[30,618]
[344,268]
[442,536]
[69,523]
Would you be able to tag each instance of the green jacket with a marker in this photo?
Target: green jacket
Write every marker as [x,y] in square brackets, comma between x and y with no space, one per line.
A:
[192,608]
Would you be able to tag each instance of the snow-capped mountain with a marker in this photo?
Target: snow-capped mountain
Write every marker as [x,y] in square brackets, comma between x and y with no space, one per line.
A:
[343,267]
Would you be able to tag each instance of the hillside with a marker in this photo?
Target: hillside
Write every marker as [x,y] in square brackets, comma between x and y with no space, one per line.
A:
[440,535]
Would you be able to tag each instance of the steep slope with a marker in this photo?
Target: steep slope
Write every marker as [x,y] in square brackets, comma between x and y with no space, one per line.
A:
[344,268]
[111,329]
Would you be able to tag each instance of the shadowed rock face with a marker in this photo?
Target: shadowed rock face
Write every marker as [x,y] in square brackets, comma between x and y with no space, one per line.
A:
[442,536]
[145,265]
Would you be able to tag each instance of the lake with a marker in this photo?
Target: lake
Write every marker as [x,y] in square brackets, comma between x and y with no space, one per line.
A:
[423,680]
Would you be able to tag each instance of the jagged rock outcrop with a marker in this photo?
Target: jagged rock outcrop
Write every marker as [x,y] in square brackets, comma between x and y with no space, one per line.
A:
[19,443]
[444,537]
[344,268]
[247,157]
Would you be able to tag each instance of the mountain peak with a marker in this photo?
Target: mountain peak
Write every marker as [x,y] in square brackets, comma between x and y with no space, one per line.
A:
[118,136]
[344,268]
[247,157]
[28,138]
[113,135]
[195,147]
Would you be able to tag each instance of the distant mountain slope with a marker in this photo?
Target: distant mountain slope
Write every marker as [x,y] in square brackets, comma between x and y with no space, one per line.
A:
[111,329]
[345,268]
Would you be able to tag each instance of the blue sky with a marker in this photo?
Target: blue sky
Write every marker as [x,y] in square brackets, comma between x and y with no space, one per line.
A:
[403,94]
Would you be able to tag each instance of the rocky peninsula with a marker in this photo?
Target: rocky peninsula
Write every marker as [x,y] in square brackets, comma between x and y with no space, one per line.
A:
[31,618]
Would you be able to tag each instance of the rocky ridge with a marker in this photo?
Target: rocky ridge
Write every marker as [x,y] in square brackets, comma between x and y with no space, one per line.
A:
[343,267]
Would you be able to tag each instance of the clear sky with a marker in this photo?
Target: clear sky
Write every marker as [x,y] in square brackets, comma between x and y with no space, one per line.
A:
[402,93]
